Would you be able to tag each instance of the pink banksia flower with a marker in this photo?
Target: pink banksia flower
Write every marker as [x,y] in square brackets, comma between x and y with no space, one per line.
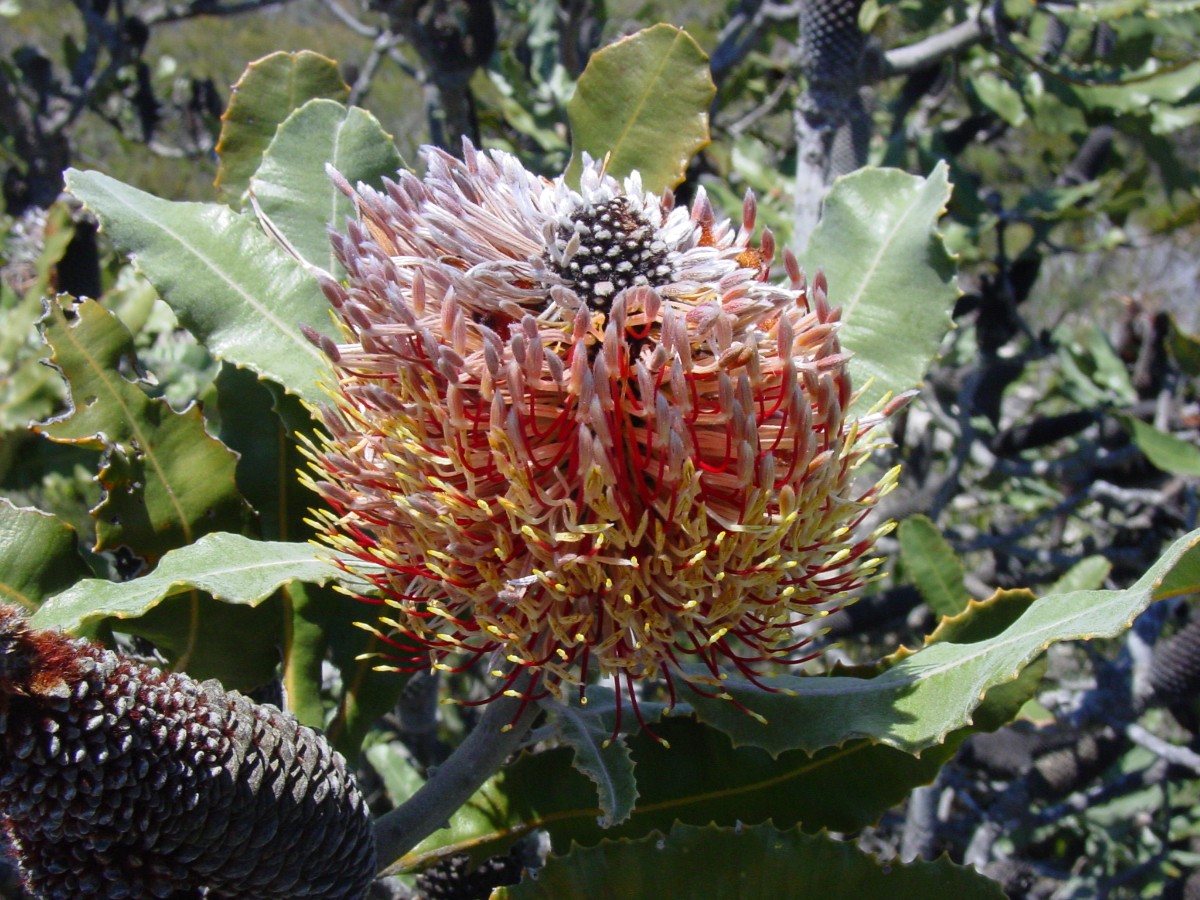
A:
[120,780]
[580,431]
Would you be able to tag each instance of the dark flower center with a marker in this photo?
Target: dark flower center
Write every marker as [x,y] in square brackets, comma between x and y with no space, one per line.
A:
[617,249]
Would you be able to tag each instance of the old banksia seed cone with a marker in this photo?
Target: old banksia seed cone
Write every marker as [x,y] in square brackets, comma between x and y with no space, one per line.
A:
[119,780]
[581,432]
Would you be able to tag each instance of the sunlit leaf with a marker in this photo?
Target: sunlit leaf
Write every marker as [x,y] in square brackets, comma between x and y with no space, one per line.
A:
[889,271]
[241,295]
[166,480]
[1165,451]
[228,567]
[292,188]
[643,102]
[924,697]
[269,91]
[933,567]
[700,778]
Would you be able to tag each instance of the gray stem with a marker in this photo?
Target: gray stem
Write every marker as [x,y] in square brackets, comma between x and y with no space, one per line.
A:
[474,761]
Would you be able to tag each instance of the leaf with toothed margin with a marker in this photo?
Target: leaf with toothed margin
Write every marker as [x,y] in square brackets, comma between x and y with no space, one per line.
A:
[268,91]
[929,694]
[242,296]
[233,625]
[699,778]
[931,564]
[294,193]
[166,479]
[598,755]
[744,862]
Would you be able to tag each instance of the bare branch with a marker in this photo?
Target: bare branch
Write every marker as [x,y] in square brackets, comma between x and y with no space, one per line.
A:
[936,47]
[347,18]
[178,12]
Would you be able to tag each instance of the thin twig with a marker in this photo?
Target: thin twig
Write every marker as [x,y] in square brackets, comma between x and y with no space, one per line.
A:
[936,47]
[1172,753]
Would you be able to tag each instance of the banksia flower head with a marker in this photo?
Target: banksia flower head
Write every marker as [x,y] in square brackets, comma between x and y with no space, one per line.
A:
[119,780]
[580,431]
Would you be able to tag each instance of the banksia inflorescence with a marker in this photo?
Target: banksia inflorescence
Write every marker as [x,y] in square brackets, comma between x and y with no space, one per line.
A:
[581,432]
[120,780]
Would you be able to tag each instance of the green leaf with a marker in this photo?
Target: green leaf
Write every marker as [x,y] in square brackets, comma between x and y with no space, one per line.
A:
[889,271]
[166,479]
[1185,349]
[606,762]
[292,190]
[983,619]
[323,626]
[700,778]
[228,567]
[998,95]
[1164,450]
[253,425]
[703,778]
[1086,575]
[269,91]
[400,779]
[304,652]
[933,566]
[39,556]
[643,101]
[931,693]
[237,644]
[214,606]
[241,296]
[745,864]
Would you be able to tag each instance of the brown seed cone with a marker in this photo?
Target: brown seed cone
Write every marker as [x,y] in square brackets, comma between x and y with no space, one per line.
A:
[119,780]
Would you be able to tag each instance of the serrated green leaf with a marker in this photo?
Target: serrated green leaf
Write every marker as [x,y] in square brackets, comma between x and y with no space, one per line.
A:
[166,480]
[932,565]
[700,778]
[703,778]
[269,91]
[212,606]
[983,619]
[228,567]
[889,271]
[291,187]
[643,102]
[241,295]
[39,556]
[1164,450]
[606,762]
[931,693]
[750,863]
